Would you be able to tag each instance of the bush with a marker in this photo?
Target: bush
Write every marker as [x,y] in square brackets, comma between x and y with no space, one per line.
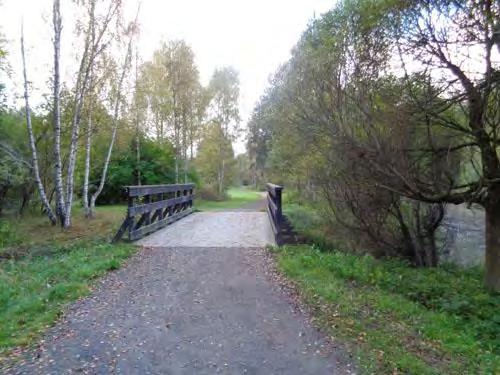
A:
[157,166]
[209,193]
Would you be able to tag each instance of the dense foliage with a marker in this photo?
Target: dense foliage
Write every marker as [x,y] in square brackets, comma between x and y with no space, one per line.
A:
[119,120]
[156,166]
[375,120]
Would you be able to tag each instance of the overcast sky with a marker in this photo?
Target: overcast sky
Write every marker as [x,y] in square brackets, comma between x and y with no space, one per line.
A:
[254,36]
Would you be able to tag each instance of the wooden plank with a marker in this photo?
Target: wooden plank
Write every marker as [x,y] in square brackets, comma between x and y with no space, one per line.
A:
[155,214]
[121,231]
[273,205]
[147,207]
[271,219]
[278,238]
[143,190]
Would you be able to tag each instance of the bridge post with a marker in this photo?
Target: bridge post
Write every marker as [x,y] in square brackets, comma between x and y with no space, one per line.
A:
[274,210]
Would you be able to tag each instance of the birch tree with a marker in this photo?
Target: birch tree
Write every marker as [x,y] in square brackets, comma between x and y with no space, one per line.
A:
[94,45]
[31,141]
[224,113]
[58,178]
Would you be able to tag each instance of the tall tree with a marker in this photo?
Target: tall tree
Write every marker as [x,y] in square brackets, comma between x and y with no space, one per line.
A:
[223,113]
[31,139]
[58,167]
[214,149]
[454,43]
[171,89]
[401,99]
[95,42]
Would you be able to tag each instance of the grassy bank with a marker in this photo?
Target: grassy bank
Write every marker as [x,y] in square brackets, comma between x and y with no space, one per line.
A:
[237,198]
[35,288]
[19,235]
[395,318]
[43,268]
[398,319]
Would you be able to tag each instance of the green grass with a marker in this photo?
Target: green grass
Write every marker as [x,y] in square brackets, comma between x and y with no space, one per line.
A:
[20,234]
[399,319]
[35,288]
[43,268]
[238,198]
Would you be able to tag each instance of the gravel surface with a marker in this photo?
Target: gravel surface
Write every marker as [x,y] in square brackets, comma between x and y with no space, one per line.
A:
[215,229]
[187,311]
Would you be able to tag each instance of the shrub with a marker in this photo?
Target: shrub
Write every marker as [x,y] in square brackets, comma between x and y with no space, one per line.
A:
[209,193]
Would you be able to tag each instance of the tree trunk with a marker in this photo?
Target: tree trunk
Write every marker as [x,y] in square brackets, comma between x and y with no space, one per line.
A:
[138,156]
[84,76]
[58,179]
[492,256]
[137,130]
[221,178]
[88,143]
[3,193]
[27,190]
[185,167]
[31,139]
[96,194]
[176,167]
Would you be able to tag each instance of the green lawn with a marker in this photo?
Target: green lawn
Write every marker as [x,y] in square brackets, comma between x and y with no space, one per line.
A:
[398,319]
[35,288]
[238,197]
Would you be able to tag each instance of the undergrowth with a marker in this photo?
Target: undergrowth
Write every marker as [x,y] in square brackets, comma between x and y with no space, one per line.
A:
[398,319]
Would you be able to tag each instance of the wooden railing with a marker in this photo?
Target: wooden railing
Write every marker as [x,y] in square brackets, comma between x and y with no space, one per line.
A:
[156,206]
[274,211]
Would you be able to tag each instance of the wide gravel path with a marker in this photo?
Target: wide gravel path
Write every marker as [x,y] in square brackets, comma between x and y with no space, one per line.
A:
[190,310]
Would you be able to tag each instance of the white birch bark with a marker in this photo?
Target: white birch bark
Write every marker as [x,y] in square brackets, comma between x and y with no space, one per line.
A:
[58,179]
[88,144]
[93,47]
[81,88]
[31,139]
[137,130]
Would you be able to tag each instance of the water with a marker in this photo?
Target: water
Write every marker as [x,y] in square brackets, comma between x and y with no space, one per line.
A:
[464,235]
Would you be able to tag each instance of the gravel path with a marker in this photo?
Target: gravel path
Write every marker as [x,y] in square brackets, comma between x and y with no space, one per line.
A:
[190,308]
[186,311]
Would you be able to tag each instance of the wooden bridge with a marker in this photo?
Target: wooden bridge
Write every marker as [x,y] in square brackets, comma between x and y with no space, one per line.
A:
[151,208]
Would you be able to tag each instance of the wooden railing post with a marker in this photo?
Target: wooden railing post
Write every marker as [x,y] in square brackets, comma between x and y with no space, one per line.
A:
[275,211]
[130,216]
[279,212]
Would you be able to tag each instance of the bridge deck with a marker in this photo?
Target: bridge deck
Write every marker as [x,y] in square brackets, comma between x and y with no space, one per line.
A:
[215,229]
